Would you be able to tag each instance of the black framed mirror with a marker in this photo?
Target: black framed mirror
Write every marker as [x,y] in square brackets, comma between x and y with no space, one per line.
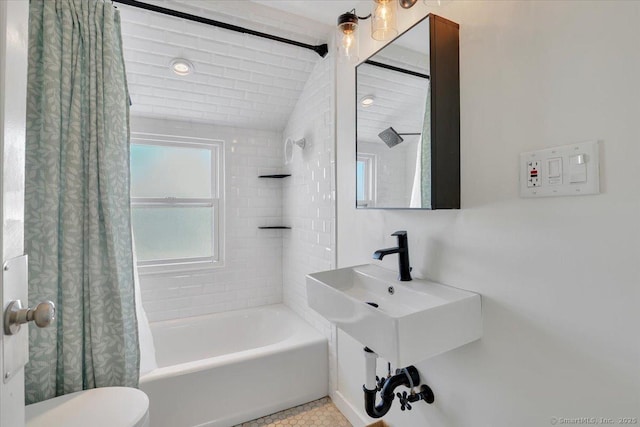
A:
[408,120]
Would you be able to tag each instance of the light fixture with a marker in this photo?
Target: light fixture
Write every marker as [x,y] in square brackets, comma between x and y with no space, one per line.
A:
[407,4]
[347,36]
[383,26]
[288,148]
[181,66]
[367,101]
[383,20]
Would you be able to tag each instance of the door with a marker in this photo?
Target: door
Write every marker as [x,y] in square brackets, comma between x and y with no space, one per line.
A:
[14,20]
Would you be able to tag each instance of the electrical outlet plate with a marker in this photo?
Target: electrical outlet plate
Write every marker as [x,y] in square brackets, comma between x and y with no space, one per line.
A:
[533,174]
[568,170]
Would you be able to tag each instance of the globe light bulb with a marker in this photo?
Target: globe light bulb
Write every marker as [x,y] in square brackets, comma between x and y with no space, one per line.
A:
[347,37]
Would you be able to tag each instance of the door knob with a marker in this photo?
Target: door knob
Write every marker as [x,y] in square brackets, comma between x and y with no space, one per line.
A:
[15,315]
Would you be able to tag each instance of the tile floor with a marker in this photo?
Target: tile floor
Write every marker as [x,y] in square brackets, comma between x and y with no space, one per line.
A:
[319,413]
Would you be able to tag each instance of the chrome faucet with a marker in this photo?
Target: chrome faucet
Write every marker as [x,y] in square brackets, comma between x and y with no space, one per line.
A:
[403,255]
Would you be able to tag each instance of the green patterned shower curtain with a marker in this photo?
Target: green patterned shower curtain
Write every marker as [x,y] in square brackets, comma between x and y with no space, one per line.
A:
[425,158]
[77,212]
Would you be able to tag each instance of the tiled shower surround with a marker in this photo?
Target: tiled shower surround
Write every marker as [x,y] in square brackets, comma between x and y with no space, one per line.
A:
[244,83]
[252,271]
[309,197]
[240,80]
[263,266]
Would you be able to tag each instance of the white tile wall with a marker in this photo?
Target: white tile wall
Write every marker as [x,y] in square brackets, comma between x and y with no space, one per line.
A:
[399,102]
[249,203]
[238,78]
[393,187]
[414,56]
[260,17]
[309,203]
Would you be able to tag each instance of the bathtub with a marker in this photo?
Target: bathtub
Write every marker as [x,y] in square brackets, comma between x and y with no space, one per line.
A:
[224,369]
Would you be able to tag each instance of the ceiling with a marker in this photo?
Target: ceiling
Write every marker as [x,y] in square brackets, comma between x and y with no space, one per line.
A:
[239,80]
[399,102]
[327,12]
[323,11]
[400,98]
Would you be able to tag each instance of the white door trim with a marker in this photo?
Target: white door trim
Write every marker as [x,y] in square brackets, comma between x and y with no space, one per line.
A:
[14,21]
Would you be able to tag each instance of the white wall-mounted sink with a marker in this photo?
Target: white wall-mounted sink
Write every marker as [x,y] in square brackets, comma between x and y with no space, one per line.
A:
[418,320]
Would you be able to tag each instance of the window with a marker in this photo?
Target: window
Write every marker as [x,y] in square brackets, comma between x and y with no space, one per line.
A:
[176,201]
[365,179]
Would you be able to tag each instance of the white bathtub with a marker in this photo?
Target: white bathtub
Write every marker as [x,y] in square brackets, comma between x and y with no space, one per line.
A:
[227,368]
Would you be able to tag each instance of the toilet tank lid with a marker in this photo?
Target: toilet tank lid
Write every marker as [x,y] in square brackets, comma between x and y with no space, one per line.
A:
[106,406]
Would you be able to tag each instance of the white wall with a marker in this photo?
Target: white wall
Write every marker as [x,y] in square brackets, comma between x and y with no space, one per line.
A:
[559,277]
[249,202]
[309,196]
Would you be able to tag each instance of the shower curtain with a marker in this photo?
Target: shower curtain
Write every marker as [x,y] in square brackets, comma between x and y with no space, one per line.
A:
[416,188]
[421,189]
[77,212]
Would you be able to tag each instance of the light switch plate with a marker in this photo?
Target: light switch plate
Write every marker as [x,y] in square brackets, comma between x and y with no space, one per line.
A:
[558,170]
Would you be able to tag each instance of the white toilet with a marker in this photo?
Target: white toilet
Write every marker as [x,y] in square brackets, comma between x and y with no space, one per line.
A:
[98,407]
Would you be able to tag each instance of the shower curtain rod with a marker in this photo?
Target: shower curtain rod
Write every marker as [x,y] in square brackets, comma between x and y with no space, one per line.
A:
[320,49]
[398,69]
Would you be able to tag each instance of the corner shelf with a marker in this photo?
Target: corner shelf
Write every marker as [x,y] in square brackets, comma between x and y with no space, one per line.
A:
[277,227]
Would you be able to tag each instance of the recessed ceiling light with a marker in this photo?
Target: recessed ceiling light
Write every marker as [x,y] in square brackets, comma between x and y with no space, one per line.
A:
[367,101]
[181,66]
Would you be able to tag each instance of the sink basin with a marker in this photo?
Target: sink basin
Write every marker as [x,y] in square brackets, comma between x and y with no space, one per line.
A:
[416,320]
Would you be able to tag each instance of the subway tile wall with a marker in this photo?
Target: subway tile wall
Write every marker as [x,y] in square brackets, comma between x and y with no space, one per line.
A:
[389,179]
[238,78]
[252,271]
[309,197]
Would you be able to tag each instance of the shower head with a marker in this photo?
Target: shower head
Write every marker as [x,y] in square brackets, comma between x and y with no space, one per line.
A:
[390,137]
[393,138]
[288,148]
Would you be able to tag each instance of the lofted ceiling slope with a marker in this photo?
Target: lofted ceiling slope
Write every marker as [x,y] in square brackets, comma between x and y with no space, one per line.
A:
[239,80]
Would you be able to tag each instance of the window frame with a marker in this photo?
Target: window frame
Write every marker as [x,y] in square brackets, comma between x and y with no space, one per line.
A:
[216,202]
[370,163]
